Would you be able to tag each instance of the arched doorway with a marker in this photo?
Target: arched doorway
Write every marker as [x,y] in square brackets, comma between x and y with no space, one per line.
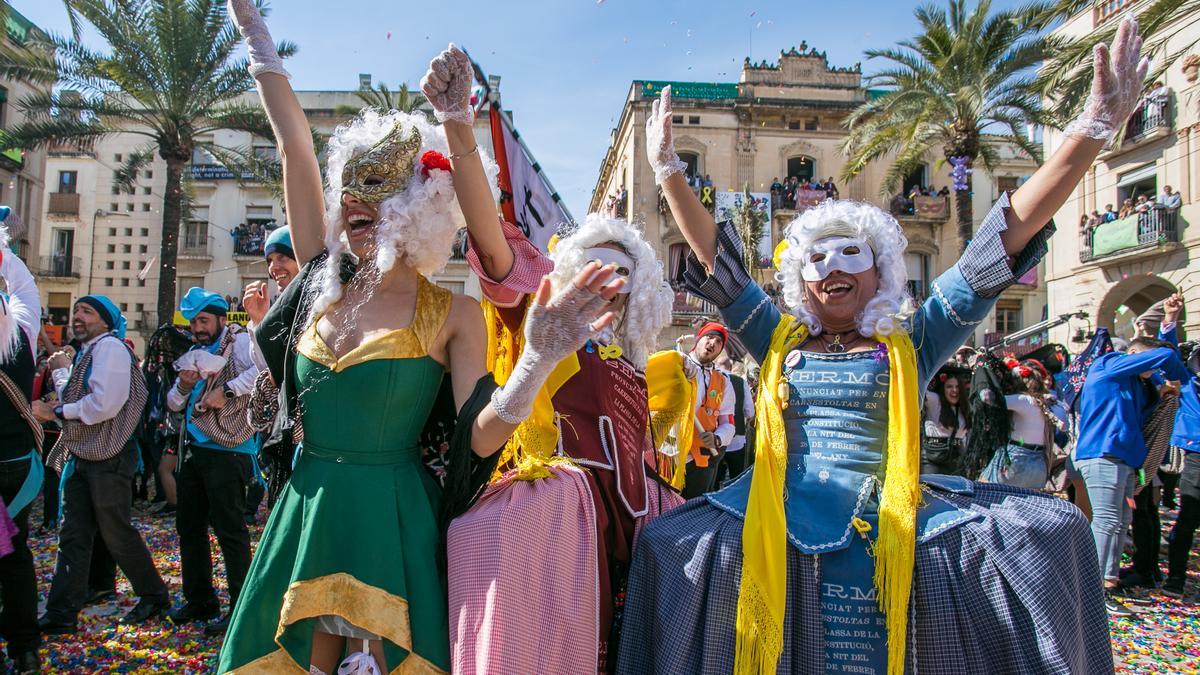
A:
[801,167]
[1128,299]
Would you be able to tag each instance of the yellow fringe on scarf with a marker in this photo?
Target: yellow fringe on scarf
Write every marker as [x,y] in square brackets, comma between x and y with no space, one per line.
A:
[763,596]
[672,398]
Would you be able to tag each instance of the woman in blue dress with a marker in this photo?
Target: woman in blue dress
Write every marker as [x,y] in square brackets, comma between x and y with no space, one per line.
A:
[833,555]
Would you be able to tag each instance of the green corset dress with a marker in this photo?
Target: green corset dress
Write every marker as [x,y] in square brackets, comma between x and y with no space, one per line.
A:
[355,533]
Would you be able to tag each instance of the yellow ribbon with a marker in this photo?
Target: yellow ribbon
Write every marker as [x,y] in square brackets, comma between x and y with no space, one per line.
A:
[763,596]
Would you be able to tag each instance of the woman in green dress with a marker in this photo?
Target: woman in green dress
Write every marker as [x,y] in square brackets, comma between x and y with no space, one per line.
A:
[350,560]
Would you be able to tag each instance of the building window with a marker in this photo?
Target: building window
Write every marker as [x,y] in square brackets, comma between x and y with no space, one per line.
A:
[68,181]
[693,119]
[146,190]
[116,190]
[677,119]
[1007,183]
[112,248]
[126,248]
[112,231]
[129,232]
[142,248]
[108,264]
[112,207]
[138,307]
[141,282]
[124,307]
[3,106]
[124,282]
[124,264]
[107,282]
[917,266]
[1008,317]
[811,125]
[145,232]
[693,163]
[129,207]
[145,206]
[117,158]
[149,175]
[803,168]
[794,125]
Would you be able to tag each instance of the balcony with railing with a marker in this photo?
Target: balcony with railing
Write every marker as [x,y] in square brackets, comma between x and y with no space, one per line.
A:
[58,267]
[687,307]
[1151,121]
[1157,227]
[194,246]
[921,207]
[64,204]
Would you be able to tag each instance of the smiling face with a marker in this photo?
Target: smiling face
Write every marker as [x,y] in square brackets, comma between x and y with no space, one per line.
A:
[840,277]
[282,268]
[951,391]
[86,322]
[359,221]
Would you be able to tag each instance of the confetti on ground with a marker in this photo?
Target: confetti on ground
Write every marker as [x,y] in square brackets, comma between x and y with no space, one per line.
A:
[1162,637]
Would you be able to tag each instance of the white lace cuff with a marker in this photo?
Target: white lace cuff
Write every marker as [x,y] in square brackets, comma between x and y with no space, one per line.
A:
[665,170]
[463,116]
[1090,127]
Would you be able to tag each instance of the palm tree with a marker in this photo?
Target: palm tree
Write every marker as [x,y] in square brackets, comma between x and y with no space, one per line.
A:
[968,73]
[1066,78]
[168,75]
[383,99]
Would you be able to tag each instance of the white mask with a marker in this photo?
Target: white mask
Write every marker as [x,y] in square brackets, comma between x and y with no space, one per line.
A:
[610,256]
[844,254]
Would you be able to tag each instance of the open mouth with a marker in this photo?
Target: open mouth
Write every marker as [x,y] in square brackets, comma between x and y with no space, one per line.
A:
[837,288]
[358,223]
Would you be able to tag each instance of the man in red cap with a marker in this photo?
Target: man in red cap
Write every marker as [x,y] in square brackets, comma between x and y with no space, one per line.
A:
[714,411]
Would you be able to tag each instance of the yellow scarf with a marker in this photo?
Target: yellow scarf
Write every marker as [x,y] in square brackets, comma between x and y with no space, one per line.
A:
[763,595]
[672,404]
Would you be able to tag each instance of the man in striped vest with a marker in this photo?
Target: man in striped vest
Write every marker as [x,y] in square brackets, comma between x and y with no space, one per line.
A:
[102,395]
[217,461]
[714,411]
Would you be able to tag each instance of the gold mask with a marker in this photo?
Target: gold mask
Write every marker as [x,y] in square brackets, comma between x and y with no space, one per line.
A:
[391,159]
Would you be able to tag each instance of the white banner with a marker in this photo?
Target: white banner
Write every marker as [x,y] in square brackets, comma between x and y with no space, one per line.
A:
[730,203]
[538,214]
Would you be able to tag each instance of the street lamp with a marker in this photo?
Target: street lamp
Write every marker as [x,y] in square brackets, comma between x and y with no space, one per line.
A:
[92,262]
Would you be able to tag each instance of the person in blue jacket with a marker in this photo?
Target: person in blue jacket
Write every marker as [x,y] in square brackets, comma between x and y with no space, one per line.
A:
[1186,436]
[1110,448]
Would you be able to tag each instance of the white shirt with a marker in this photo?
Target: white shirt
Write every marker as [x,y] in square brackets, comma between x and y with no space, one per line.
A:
[739,440]
[242,385]
[1029,424]
[1171,201]
[725,429]
[108,383]
[24,304]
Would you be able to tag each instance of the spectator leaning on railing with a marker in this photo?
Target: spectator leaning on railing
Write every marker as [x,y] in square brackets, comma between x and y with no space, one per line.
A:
[1170,199]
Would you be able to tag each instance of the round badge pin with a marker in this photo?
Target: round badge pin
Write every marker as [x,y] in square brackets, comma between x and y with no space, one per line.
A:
[793,358]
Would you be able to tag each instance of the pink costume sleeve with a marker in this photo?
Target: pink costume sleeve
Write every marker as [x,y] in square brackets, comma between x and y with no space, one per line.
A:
[529,266]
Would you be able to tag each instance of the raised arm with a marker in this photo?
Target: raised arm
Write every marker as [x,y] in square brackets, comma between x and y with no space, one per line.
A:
[1116,88]
[695,222]
[447,85]
[302,189]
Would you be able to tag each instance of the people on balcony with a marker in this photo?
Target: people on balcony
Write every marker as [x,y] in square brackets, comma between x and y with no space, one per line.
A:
[1109,215]
[1126,208]
[1169,198]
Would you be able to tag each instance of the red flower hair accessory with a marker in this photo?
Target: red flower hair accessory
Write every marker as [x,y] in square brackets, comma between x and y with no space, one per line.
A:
[943,377]
[433,159]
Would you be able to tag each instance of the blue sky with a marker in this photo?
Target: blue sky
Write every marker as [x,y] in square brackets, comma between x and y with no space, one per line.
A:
[566,64]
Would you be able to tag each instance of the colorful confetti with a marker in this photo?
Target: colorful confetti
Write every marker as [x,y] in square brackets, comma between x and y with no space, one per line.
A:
[1162,637]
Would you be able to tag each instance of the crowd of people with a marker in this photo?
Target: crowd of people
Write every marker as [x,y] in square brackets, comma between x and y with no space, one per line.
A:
[905,203]
[530,485]
[248,238]
[796,192]
[1141,205]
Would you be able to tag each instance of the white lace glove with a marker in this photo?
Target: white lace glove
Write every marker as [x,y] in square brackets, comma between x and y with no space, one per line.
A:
[447,85]
[1116,85]
[660,144]
[263,56]
[553,331]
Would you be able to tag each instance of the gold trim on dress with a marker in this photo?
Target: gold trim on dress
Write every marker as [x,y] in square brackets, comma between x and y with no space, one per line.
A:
[367,607]
[411,342]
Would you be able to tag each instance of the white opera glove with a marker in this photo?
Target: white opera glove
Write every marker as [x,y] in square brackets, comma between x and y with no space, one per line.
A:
[360,663]
[1116,85]
[660,144]
[263,56]
[447,85]
[553,331]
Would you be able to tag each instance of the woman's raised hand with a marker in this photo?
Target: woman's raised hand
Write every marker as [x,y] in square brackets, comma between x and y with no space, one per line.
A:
[562,320]
[660,144]
[263,56]
[1117,81]
[447,85]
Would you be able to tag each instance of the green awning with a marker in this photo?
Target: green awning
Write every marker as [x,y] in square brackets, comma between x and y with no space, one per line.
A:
[710,91]
[1115,236]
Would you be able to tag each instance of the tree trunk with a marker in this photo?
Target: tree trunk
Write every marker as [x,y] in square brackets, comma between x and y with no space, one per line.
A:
[965,215]
[168,252]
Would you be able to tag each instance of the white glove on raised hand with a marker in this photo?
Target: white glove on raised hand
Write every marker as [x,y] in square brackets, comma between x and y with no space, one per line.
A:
[555,328]
[660,144]
[1116,85]
[447,85]
[263,56]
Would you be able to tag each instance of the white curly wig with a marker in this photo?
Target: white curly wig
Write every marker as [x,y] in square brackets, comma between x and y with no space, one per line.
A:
[418,225]
[648,309]
[10,330]
[892,305]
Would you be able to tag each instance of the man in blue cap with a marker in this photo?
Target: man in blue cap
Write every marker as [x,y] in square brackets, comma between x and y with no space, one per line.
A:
[281,260]
[20,454]
[217,462]
[102,396]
